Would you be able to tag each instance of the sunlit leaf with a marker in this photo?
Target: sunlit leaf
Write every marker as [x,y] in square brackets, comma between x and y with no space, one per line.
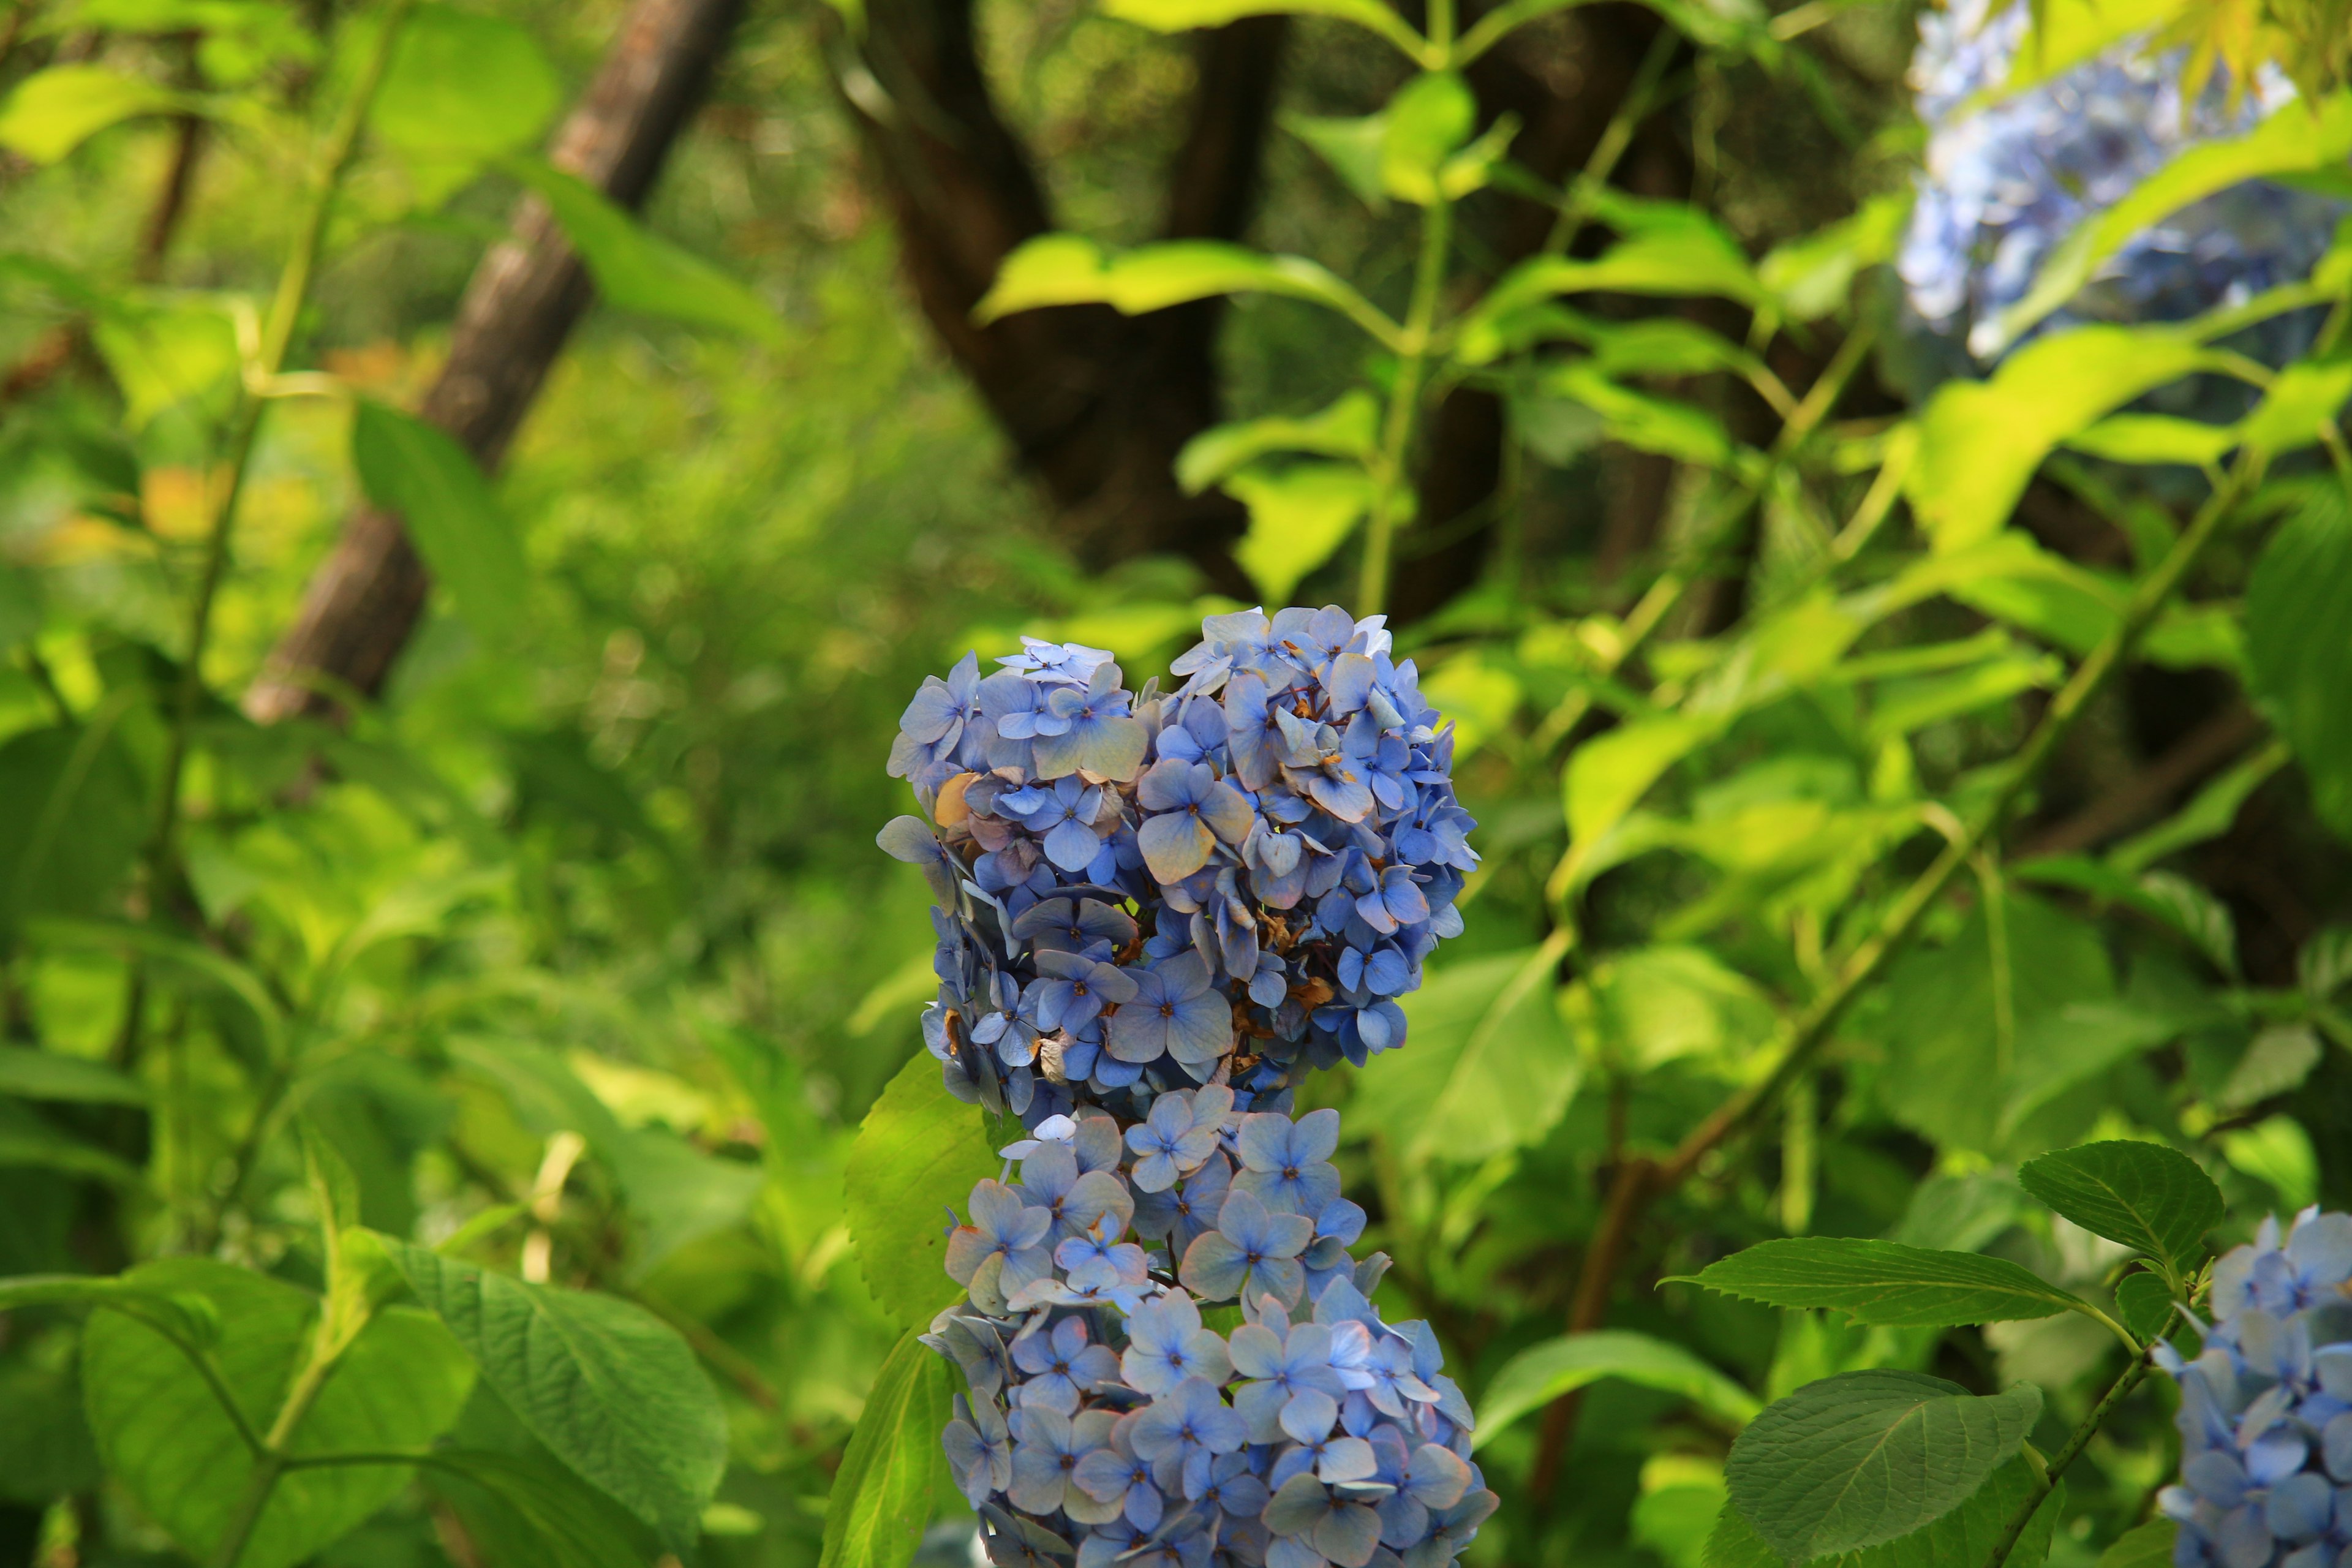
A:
[1885,1282]
[462,82]
[1300,514]
[919,1152]
[1350,428]
[51,112]
[881,1498]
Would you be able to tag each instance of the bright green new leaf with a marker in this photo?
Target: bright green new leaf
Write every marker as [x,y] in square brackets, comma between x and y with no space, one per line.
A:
[1811,276]
[1607,776]
[1643,421]
[2298,605]
[164,1436]
[2298,136]
[919,1152]
[1184,15]
[1348,428]
[2146,1545]
[464,83]
[2153,1199]
[1963,1538]
[1865,1457]
[1300,516]
[880,1500]
[638,270]
[419,471]
[611,1389]
[1685,258]
[46,1075]
[2065,33]
[1542,1372]
[1885,1282]
[1980,441]
[2155,439]
[1070,269]
[2277,1151]
[1492,1064]
[2300,407]
[55,110]
[167,352]
[1428,119]
[1351,144]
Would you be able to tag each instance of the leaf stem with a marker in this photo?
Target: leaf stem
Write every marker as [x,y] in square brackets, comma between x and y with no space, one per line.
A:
[1638,1182]
[1392,496]
[2046,1476]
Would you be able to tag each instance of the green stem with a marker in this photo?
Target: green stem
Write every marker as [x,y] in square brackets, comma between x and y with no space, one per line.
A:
[2047,1477]
[276,336]
[1392,495]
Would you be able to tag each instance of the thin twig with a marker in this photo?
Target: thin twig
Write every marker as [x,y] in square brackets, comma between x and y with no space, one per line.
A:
[1641,1182]
[2045,1479]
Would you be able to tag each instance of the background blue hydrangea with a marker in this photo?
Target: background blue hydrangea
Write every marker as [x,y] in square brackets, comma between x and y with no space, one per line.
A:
[2005,184]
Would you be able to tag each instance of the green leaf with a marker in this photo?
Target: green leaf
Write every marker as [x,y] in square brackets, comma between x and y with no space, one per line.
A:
[1184,15]
[2299,135]
[1428,119]
[176,958]
[919,1155]
[611,1389]
[527,1513]
[45,1450]
[2155,439]
[1980,441]
[638,270]
[78,805]
[55,110]
[1674,261]
[45,1075]
[1810,276]
[461,82]
[1963,1538]
[2210,814]
[1885,1282]
[2298,603]
[1641,420]
[2153,1199]
[1348,428]
[2277,1059]
[2147,1545]
[1070,269]
[1351,144]
[881,1496]
[1492,1066]
[419,471]
[165,352]
[27,1140]
[1865,1457]
[2299,408]
[1542,1372]
[185,1314]
[2144,1303]
[2278,1152]
[164,1436]
[1300,513]
[1607,776]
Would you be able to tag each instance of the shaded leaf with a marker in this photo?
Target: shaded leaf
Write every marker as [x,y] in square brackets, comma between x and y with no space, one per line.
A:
[2151,1198]
[46,1075]
[523,1513]
[612,1390]
[2298,603]
[419,471]
[1865,1457]
[2146,1545]
[1963,1538]
[2144,1303]
[1542,1372]
[638,270]
[1884,1282]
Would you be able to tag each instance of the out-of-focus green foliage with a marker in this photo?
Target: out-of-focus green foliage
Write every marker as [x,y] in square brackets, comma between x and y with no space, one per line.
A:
[553,991]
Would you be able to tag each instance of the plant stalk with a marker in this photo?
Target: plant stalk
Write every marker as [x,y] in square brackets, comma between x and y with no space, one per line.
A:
[2046,1476]
[1392,497]
[1638,1182]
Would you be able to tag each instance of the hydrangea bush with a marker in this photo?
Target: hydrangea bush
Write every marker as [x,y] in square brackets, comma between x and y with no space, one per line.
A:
[1156,912]
[2006,182]
[2265,1413]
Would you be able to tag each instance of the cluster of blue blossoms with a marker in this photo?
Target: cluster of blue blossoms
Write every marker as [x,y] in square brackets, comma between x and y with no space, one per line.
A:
[1105,1422]
[1156,912]
[2266,1406]
[1232,882]
[2006,183]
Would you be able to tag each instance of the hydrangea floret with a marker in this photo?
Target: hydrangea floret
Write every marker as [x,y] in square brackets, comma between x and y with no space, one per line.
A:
[1157,911]
[1230,882]
[2265,1412]
[2008,179]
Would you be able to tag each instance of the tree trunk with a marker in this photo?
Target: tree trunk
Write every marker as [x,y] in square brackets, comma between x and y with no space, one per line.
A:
[365,599]
[1097,405]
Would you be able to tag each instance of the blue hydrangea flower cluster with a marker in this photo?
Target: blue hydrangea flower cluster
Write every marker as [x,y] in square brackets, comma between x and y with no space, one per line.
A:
[2005,185]
[2266,1405]
[1104,1421]
[1157,911]
[1231,882]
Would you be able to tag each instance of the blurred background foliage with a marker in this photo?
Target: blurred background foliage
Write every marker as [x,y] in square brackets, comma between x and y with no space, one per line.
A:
[575,905]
